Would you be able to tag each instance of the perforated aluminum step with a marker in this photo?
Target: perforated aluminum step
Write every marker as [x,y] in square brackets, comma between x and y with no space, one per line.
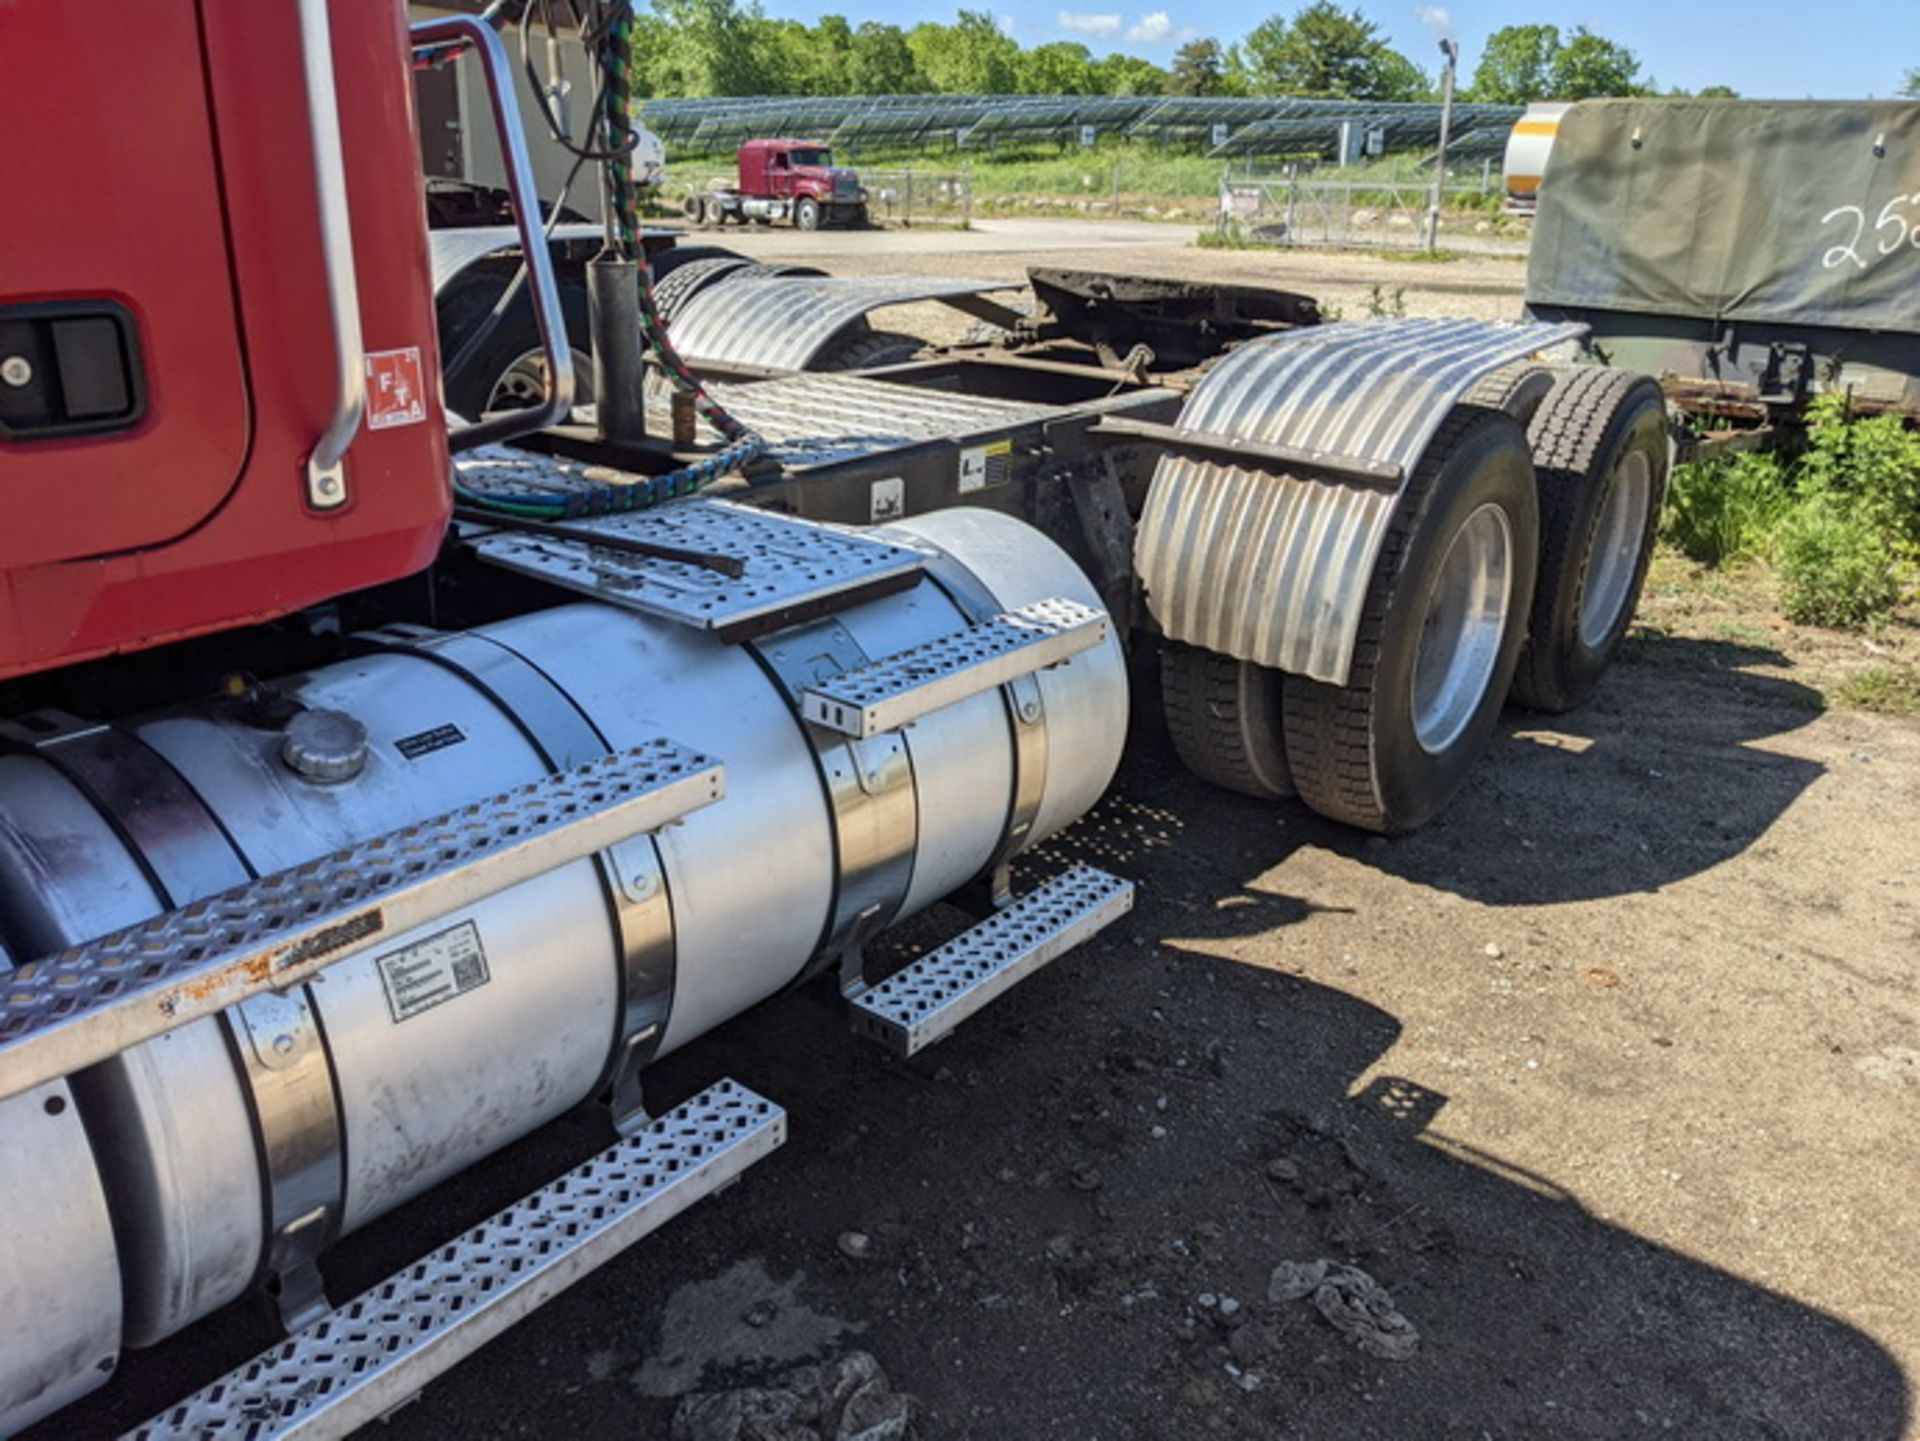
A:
[923,1002]
[790,570]
[356,1364]
[901,688]
[70,1010]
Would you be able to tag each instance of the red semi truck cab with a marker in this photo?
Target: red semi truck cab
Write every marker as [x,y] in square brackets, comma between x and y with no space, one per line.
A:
[167,354]
[787,180]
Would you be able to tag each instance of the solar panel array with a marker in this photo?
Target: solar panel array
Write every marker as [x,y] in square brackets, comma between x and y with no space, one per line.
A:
[1218,126]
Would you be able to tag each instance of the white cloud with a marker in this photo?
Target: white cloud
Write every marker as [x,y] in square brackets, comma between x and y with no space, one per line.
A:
[1005,23]
[1437,19]
[1086,22]
[1151,28]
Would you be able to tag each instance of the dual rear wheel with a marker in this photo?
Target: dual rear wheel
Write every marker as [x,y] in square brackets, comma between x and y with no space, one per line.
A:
[1512,568]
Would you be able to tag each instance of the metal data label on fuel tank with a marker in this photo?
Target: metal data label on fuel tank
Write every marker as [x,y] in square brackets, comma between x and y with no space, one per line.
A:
[446,964]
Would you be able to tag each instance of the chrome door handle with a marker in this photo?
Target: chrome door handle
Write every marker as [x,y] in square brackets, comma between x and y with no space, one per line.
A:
[326,472]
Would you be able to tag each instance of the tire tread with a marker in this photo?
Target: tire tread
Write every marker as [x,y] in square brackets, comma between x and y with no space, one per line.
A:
[1566,437]
[1329,728]
[1215,725]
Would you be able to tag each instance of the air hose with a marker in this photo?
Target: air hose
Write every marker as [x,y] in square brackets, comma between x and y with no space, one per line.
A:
[608,36]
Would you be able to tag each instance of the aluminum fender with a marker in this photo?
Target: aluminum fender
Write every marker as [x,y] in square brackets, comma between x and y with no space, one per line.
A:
[453,251]
[1273,568]
[783,322]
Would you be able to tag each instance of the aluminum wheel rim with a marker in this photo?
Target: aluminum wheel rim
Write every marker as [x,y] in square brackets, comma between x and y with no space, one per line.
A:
[1461,632]
[1616,549]
[524,383]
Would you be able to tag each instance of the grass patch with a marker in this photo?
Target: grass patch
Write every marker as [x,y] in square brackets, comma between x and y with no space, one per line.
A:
[1721,512]
[1839,519]
[1092,174]
[1237,237]
[1231,237]
[1419,257]
[1884,690]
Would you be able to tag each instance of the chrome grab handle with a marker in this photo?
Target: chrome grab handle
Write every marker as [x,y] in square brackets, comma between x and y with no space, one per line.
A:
[547,315]
[326,475]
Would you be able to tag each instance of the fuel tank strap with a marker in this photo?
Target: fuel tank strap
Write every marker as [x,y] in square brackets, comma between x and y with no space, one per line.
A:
[1026,721]
[876,811]
[632,874]
[187,856]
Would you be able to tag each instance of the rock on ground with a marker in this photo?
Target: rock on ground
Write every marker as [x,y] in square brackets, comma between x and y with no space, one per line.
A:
[847,1399]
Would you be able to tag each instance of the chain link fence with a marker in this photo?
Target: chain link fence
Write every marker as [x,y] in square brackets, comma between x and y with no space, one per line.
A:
[915,196]
[1299,208]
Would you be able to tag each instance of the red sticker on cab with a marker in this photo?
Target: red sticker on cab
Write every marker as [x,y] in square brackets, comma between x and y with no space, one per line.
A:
[396,389]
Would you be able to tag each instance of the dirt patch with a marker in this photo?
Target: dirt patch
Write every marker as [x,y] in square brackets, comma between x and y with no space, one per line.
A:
[740,1320]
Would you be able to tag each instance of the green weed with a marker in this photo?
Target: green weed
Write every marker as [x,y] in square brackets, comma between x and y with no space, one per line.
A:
[1874,463]
[1835,566]
[1230,237]
[1721,511]
[1886,690]
[1383,303]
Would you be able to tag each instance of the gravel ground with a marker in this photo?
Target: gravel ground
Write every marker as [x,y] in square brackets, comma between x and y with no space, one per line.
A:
[1475,287]
[1611,1078]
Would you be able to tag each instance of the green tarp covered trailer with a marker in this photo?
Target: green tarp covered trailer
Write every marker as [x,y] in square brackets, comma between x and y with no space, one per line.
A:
[1750,252]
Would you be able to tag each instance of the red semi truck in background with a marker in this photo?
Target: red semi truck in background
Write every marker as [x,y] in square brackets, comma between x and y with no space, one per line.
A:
[786,180]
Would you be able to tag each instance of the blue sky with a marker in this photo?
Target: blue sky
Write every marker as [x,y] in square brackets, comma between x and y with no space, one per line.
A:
[1763,48]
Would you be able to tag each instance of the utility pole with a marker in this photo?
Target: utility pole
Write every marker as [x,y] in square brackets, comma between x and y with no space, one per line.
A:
[1452,51]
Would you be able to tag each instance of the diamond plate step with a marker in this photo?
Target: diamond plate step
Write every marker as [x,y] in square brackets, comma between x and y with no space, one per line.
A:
[356,1364]
[923,1002]
[790,570]
[70,1010]
[901,688]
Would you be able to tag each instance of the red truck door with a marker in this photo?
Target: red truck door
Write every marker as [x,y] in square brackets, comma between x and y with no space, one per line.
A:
[117,327]
[166,352]
[779,174]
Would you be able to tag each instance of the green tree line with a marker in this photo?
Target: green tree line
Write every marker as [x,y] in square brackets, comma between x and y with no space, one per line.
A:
[732,47]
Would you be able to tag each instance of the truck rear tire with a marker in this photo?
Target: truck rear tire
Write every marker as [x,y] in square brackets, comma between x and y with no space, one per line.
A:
[1440,635]
[1600,457]
[668,261]
[1224,716]
[713,211]
[806,214]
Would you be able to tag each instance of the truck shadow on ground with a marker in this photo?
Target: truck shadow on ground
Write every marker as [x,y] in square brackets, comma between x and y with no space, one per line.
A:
[1663,775]
[1048,1195]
